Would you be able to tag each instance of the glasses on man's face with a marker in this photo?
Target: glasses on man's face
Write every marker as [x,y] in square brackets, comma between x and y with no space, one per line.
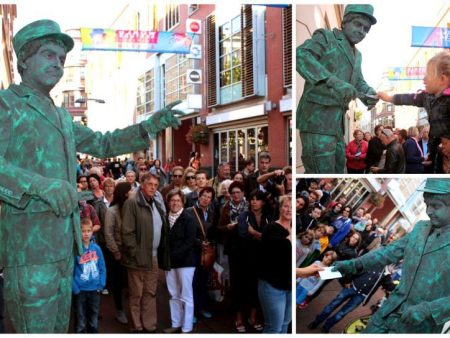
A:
[177,176]
[190,177]
[142,169]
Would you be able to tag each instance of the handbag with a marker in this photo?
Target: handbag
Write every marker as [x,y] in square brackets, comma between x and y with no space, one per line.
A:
[208,256]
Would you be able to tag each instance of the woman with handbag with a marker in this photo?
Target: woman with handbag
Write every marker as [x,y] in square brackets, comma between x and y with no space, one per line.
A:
[202,215]
[275,272]
[227,227]
[182,264]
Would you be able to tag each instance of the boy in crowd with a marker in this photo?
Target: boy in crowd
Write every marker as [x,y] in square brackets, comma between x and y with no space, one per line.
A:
[89,278]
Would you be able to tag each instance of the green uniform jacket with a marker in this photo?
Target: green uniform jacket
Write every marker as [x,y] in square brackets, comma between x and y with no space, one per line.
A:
[321,108]
[425,276]
[39,140]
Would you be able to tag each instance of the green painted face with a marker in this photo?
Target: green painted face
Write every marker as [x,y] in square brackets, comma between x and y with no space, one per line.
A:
[438,208]
[355,30]
[44,69]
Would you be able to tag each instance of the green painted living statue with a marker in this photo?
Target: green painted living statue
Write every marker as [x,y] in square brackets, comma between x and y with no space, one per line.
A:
[39,219]
[331,66]
[421,302]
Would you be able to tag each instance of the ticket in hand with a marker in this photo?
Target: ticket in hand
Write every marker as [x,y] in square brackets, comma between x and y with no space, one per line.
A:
[328,274]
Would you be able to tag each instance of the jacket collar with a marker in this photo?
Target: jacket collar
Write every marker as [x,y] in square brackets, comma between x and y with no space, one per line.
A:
[349,51]
[140,199]
[40,103]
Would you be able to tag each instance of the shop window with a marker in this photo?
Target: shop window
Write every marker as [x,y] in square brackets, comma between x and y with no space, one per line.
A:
[353,190]
[192,9]
[237,145]
[145,99]
[176,86]
[172,16]
[230,60]
[236,56]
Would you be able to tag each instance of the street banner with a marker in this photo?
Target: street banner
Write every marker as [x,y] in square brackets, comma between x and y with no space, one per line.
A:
[437,37]
[406,73]
[135,40]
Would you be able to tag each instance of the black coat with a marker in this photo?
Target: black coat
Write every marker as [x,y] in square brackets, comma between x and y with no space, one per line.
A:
[183,239]
[374,152]
[395,159]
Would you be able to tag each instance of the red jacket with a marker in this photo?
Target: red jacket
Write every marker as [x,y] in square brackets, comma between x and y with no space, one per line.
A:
[354,162]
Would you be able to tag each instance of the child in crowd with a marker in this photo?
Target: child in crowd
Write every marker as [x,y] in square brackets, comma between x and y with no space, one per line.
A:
[303,246]
[89,278]
[361,225]
[435,99]
[306,287]
[324,240]
[314,253]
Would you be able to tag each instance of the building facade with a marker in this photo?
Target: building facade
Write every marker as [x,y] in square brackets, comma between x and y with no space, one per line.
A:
[244,100]
[396,203]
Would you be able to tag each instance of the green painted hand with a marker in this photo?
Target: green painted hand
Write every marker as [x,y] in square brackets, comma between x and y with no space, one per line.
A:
[59,194]
[370,98]
[345,91]
[415,314]
[344,267]
[164,118]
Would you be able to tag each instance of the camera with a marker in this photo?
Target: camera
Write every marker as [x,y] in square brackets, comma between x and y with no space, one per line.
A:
[279,179]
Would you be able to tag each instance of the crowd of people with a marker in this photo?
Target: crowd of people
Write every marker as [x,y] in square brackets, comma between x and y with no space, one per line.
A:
[233,229]
[396,151]
[328,231]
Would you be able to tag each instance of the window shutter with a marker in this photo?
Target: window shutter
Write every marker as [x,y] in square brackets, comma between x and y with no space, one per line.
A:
[287,46]
[247,50]
[212,58]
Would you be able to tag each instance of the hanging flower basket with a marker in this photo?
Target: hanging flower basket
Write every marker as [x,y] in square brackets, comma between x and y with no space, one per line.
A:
[198,134]
[377,199]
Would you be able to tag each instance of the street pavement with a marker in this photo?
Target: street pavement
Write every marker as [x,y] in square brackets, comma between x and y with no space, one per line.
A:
[222,321]
[307,315]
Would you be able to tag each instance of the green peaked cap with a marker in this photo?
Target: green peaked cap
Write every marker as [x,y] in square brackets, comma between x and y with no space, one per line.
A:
[41,29]
[437,186]
[366,10]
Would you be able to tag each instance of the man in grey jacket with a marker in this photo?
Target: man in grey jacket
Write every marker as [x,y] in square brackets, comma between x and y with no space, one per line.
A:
[144,238]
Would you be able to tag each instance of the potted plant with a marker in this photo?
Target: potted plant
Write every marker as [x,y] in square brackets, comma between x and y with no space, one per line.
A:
[376,199]
[198,134]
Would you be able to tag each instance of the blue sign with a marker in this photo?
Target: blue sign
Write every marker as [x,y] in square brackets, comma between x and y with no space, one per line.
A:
[435,37]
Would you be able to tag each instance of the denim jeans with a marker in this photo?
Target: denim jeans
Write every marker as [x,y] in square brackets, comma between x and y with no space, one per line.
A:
[354,299]
[2,307]
[87,306]
[301,294]
[276,306]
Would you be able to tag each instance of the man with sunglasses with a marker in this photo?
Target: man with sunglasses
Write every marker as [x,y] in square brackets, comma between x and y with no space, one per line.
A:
[176,177]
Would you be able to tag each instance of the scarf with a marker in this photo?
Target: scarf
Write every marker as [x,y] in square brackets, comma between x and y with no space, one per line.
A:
[173,217]
[236,210]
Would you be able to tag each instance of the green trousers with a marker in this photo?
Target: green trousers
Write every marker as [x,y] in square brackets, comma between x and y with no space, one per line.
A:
[323,154]
[38,297]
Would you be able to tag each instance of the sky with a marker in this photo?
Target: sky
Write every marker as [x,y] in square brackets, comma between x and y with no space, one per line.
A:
[388,42]
[69,14]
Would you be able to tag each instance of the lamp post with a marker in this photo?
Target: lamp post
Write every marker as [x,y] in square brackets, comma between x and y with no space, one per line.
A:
[85,99]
